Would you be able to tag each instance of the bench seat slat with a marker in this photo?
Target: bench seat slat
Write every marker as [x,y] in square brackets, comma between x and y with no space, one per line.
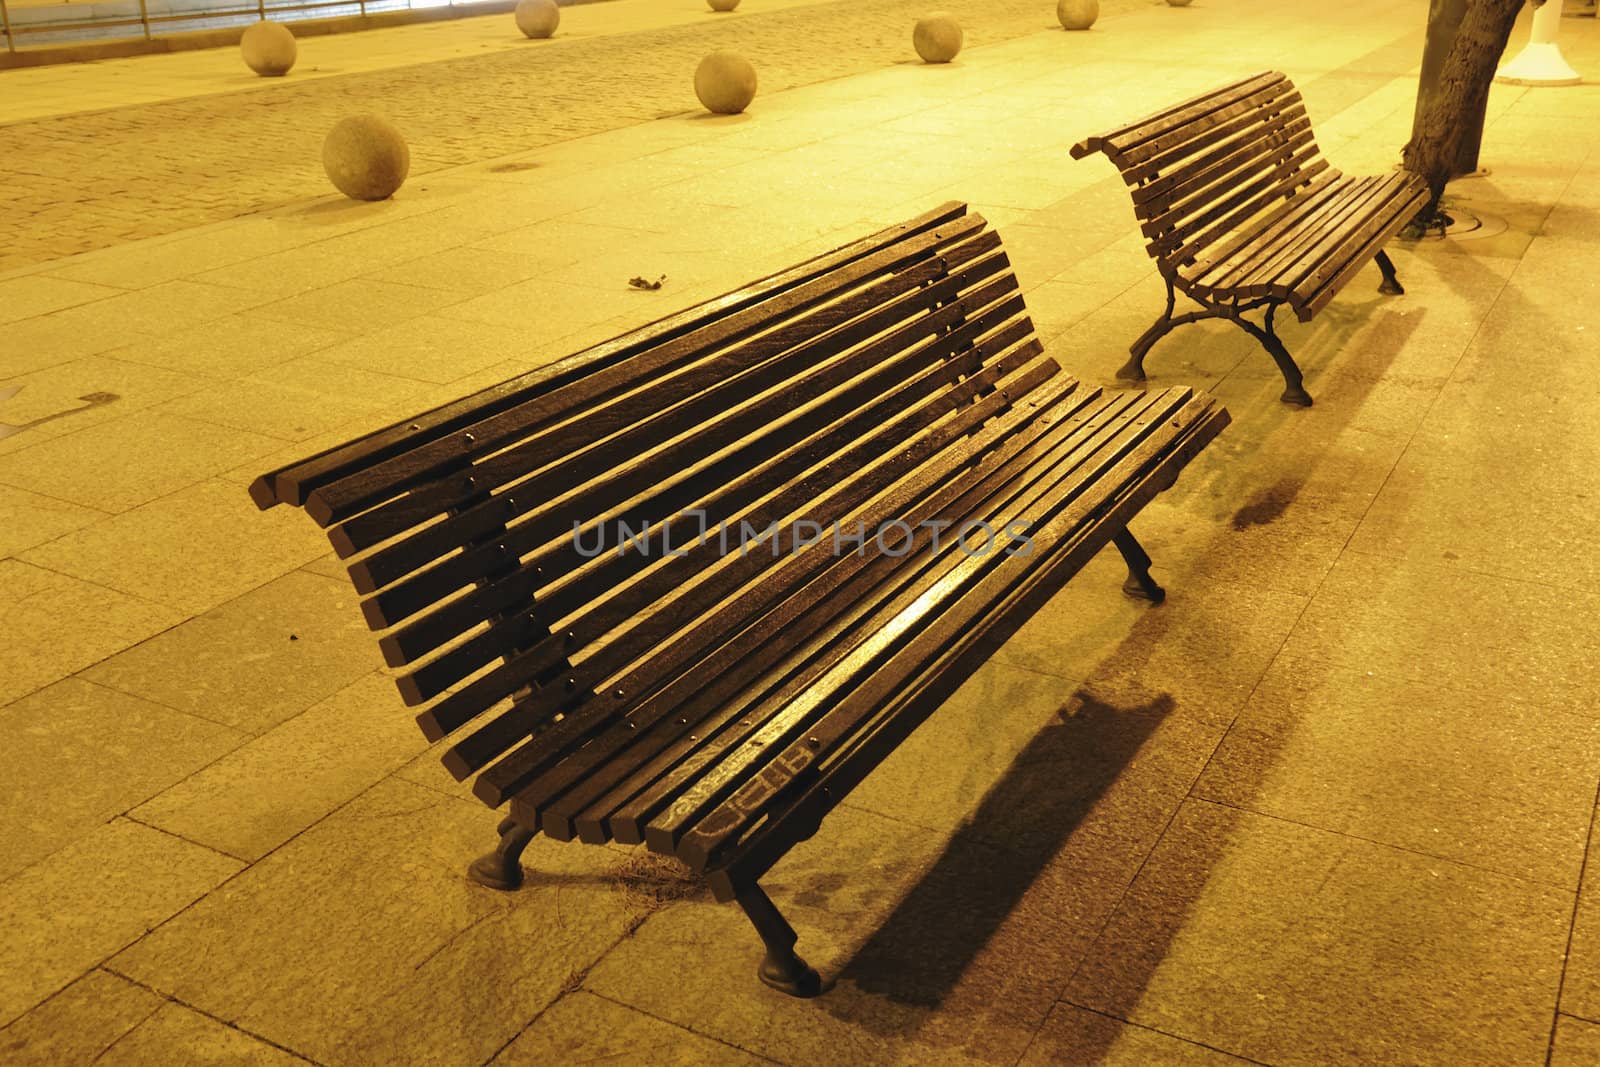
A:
[845,581]
[1272,247]
[1239,207]
[669,780]
[1282,275]
[794,816]
[827,715]
[1248,244]
[1398,210]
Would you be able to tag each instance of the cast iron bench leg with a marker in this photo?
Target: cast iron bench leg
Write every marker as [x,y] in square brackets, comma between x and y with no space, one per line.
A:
[781,968]
[1139,585]
[1133,370]
[502,868]
[1294,391]
[1391,284]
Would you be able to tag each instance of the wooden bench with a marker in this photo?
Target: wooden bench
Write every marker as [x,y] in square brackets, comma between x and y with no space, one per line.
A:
[658,684]
[1242,212]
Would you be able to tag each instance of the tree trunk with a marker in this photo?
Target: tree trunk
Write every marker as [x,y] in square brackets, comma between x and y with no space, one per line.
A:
[1444,19]
[1463,92]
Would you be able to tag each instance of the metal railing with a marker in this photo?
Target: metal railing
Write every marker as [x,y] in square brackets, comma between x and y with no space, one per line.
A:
[25,25]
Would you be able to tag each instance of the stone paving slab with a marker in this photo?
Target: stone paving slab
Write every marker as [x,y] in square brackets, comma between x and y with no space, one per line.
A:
[81,754]
[80,1022]
[73,183]
[1279,942]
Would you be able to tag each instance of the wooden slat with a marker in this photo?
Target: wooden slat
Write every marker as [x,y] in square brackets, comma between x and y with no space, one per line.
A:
[292,483]
[1282,276]
[772,454]
[338,500]
[1144,162]
[1205,207]
[1178,114]
[768,637]
[1274,245]
[747,467]
[792,817]
[1403,208]
[471,753]
[1247,209]
[749,481]
[843,590]
[1259,144]
[711,400]
[680,767]
[1217,220]
[637,421]
[1246,244]
[826,714]
[1179,167]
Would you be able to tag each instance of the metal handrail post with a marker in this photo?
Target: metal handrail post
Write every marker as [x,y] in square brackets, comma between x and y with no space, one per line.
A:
[5,24]
[144,19]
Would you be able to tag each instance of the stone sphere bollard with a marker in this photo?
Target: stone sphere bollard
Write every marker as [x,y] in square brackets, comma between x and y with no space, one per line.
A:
[725,82]
[537,18]
[937,37]
[723,5]
[268,49]
[1077,14]
[365,157]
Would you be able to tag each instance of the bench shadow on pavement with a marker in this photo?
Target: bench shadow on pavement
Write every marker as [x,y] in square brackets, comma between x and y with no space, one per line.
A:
[921,951]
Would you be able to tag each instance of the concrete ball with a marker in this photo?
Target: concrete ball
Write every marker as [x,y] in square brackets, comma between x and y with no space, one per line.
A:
[1077,14]
[537,18]
[937,37]
[365,157]
[723,5]
[725,82]
[268,49]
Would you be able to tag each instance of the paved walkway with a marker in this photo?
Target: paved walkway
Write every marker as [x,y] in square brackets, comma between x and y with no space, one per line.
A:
[72,183]
[1332,802]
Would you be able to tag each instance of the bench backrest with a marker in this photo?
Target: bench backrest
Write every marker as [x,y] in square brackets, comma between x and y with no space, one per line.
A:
[486,533]
[1202,167]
